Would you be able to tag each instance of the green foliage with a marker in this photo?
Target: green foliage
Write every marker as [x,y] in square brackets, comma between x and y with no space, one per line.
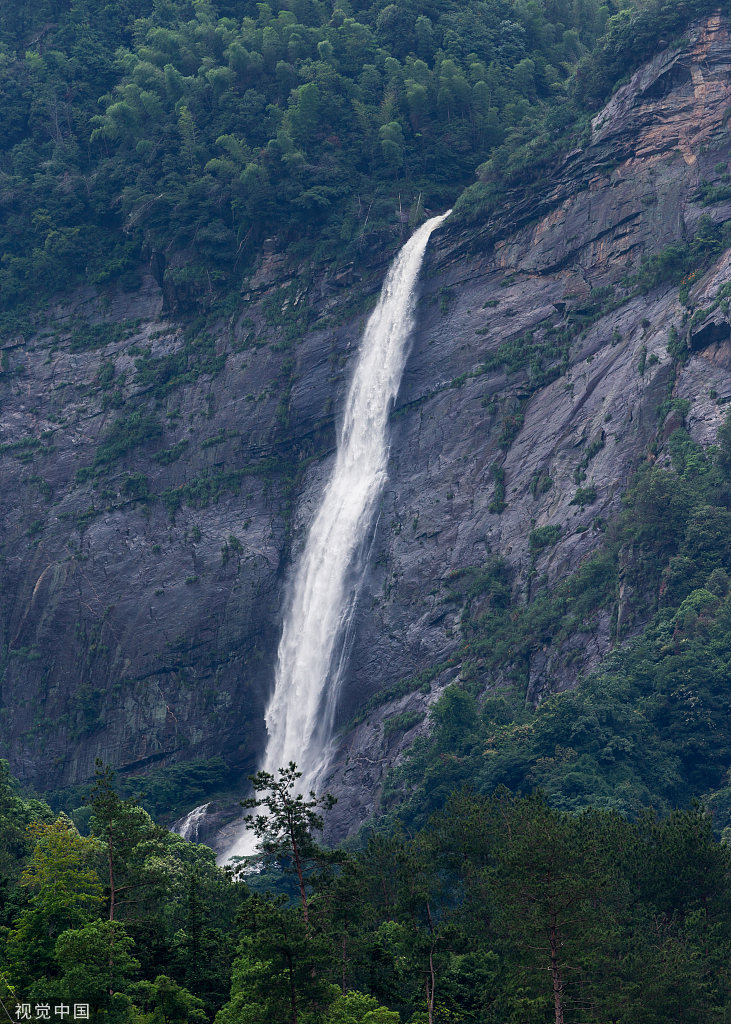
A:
[278,975]
[203,490]
[106,375]
[203,130]
[643,360]
[203,955]
[503,908]
[540,483]
[16,815]
[499,908]
[681,405]
[357,1008]
[512,424]
[645,730]
[170,791]
[584,496]
[625,739]
[680,262]
[130,839]
[625,38]
[286,831]
[86,337]
[218,127]
[522,351]
[66,891]
[96,963]
[543,537]
[724,440]
[56,937]
[167,456]
[633,34]
[25,449]
[710,195]
[161,375]
[498,504]
[167,1002]
[677,346]
[403,722]
[134,487]
[688,458]
[544,350]
[125,435]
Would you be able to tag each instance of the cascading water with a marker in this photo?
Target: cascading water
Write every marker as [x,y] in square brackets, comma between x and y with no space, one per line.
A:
[189,826]
[301,712]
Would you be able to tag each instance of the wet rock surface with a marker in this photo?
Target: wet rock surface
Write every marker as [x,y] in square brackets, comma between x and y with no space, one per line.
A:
[140,620]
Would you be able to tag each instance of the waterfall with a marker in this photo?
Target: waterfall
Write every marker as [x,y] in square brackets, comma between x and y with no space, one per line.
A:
[301,713]
[189,826]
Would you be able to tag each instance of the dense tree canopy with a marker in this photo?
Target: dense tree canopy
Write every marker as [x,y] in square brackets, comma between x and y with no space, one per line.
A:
[501,909]
[196,129]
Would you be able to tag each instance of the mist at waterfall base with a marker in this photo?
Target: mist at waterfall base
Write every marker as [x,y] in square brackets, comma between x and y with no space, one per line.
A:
[313,648]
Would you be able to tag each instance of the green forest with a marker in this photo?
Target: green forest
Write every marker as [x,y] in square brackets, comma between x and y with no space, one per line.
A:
[501,908]
[195,130]
[568,864]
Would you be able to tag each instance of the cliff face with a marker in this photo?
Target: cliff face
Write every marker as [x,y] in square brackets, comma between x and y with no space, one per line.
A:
[158,477]
[628,195]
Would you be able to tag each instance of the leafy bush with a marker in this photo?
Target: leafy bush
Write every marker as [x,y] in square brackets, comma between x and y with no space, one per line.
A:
[543,537]
[497,505]
[169,455]
[135,487]
[592,451]
[125,435]
[403,722]
[584,496]
[87,337]
[540,483]
[512,424]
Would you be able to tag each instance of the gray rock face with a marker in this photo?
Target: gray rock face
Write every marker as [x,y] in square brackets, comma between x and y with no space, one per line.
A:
[627,196]
[139,631]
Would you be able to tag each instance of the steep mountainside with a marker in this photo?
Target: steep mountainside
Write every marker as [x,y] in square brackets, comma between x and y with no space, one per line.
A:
[541,265]
[159,471]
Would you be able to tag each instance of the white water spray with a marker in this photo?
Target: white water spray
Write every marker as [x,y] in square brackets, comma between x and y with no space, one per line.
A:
[301,712]
[189,826]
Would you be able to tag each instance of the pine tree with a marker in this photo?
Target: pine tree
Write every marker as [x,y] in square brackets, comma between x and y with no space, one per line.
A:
[287,831]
